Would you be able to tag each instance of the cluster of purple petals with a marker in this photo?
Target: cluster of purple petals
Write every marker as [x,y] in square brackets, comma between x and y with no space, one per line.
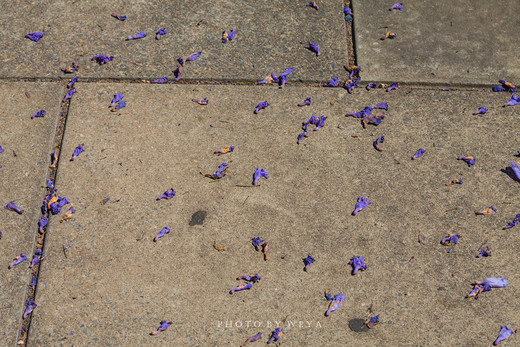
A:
[102,59]
[40,113]
[504,86]
[318,122]
[281,80]
[486,285]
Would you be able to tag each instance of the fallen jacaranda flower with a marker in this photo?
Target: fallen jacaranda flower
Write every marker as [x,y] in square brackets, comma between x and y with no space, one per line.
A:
[170,193]
[365,112]
[315,48]
[71,69]
[382,106]
[36,257]
[140,35]
[201,102]
[161,233]
[77,152]
[266,250]
[389,35]
[49,184]
[487,211]
[2,150]
[510,87]
[379,140]
[281,80]
[301,136]
[418,154]
[307,101]
[397,6]
[350,84]
[253,278]
[72,82]
[160,33]
[226,37]
[161,80]
[308,261]
[498,89]
[118,17]
[40,113]
[313,4]
[225,150]
[394,86]
[221,172]
[177,73]
[18,260]
[42,223]
[335,302]
[516,169]
[12,207]
[481,110]
[164,325]
[69,94]
[116,99]
[266,80]
[505,332]
[348,11]
[333,82]
[257,242]
[36,36]
[313,120]
[321,123]
[486,285]
[194,56]
[252,339]
[374,85]
[358,263]
[31,305]
[68,214]
[119,105]
[372,322]
[260,106]
[515,100]
[486,252]
[515,221]
[241,286]
[258,174]
[452,239]
[102,59]
[361,204]
[277,335]
[469,160]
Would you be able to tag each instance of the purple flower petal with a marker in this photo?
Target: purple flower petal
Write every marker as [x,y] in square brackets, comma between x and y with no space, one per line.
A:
[510,87]
[361,204]
[261,105]
[40,113]
[394,86]
[397,6]
[277,335]
[358,263]
[140,35]
[372,322]
[308,261]
[258,174]
[102,59]
[389,35]
[119,105]
[515,221]
[116,99]
[505,332]
[487,211]
[350,84]
[333,82]
[348,11]
[69,94]
[164,325]
[265,250]
[452,239]
[72,82]
[253,278]
[382,106]
[77,151]
[226,37]
[161,80]
[161,233]
[498,89]
[241,286]
[12,207]
[194,56]
[481,110]
[170,193]
[221,172]
[307,101]
[177,73]
[379,140]
[495,282]
[418,154]
[484,253]
[373,85]
[252,339]
[204,101]
[160,32]
[315,48]
[31,305]
[266,80]
[18,260]
[301,136]
[515,100]
[71,69]
[257,242]
[314,5]
[516,169]
[225,150]
[42,223]
[469,160]
[118,17]
[36,36]
[335,303]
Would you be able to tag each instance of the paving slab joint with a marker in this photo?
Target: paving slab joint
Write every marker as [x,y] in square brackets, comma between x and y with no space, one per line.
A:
[40,238]
[351,37]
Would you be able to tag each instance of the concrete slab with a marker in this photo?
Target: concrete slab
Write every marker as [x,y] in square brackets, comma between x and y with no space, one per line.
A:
[115,285]
[463,42]
[270,36]
[27,145]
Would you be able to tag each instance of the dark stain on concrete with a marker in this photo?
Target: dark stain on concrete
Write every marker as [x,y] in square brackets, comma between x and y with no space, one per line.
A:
[198,218]
[357,325]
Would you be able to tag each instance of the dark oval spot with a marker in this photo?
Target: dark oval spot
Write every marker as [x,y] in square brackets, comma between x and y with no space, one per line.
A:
[357,325]
[198,218]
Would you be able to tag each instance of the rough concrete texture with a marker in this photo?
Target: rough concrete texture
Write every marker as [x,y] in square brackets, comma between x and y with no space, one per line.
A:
[462,42]
[115,285]
[273,36]
[27,144]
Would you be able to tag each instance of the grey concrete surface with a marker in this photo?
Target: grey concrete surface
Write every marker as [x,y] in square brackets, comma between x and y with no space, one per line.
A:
[115,285]
[462,42]
[270,36]
[24,166]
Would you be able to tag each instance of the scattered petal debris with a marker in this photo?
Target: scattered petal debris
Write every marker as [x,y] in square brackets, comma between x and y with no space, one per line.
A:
[307,102]
[259,173]
[31,305]
[333,82]
[36,36]
[257,242]
[160,33]
[389,35]
[102,59]
[164,325]
[170,193]
[226,37]
[18,260]
[116,99]
[204,101]
[252,278]
[72,82]
[71,69]
[335,302]
[451,239]
[487,285]
[139,35]
[252,339]
[119,106]
[225,150]
[374,85]
[515,221]
[277,335]
[40,113]
[266,250]
[314,5]
[161,80]
[358,264]
[515,100]
[372,322]
[486,252]
[11,206]
[118,17]
[394,86]
[505,332]
[69,94]
[361,204]
[308,261]
[481,110]
[504,86]
[379,140]
[218,247]
[397,6]
[42,223]
[455,181]
[221,172]
[516,169]
[162,233]
[487,211]
[241,286]
[281,80]
[68,214]
[469,160]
